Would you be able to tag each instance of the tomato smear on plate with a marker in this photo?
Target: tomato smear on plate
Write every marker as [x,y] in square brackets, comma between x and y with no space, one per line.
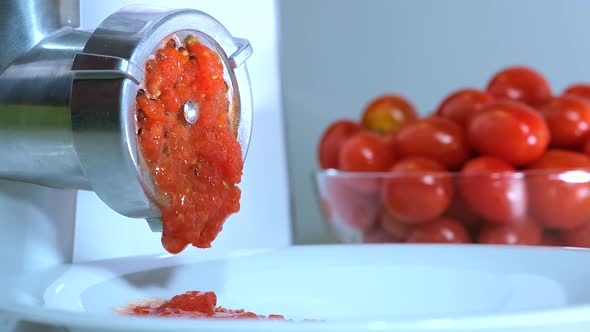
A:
[195,168]
[194,304]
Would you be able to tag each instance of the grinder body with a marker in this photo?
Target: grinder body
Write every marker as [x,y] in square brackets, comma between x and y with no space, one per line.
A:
[67,117]
[67,105]
[36,136]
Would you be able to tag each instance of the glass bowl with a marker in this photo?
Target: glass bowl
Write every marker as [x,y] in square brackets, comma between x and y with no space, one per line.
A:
[536,207]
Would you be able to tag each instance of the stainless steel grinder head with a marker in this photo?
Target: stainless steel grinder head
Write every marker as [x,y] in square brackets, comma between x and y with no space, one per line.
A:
[67,104]
[106,77]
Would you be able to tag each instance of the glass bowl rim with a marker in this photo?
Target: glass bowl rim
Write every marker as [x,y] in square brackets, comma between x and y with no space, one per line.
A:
[580,173]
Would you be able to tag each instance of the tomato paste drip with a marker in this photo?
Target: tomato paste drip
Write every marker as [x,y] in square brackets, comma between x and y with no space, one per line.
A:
[195,168]
[194,304]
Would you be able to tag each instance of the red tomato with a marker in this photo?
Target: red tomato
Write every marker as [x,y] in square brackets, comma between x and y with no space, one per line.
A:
[445,230]
[434,138]
[577,237]
[418,190]
[552,239]
[521,84]
[460,105]
[388,113]
[558,198]
[350,206]
[586,147]
[461,211]
[394,227]
[493,190]
[561,160]
[366,152]
[568,119]
[509,131]
[580,90]
[389,138]
[332,140]
[378,234]
[526,232]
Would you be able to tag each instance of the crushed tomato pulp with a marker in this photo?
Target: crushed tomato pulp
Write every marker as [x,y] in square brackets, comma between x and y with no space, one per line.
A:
[195,168]
[194,304]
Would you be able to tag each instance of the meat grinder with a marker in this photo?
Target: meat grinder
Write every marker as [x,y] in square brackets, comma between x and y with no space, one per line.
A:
[67,116]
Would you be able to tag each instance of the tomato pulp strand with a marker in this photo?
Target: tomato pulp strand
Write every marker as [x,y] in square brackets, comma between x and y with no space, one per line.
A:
[195,168]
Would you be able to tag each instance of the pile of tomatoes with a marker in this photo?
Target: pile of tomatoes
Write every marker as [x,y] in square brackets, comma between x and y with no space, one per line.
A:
[508,164]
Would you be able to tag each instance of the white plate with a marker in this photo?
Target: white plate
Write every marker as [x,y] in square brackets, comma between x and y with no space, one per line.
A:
[350,288]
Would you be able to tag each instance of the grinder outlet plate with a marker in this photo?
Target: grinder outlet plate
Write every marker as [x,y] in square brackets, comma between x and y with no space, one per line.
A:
[343,287]
[106,77]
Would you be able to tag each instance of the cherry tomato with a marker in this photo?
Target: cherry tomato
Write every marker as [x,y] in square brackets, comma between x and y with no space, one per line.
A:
[445,230]
[434,138]
[525,232]
[394,227]
[389,138]
[558,198]
[378,234]
[561,160]
[332,140]
[586,147]
[552,239]
[419,190]
[366,152]
[350,206]
[462,212]
[388,113]
[492,189]
[460,105]
[520,83]
[577,237]
[509,131]
[580,90]
[568,119]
